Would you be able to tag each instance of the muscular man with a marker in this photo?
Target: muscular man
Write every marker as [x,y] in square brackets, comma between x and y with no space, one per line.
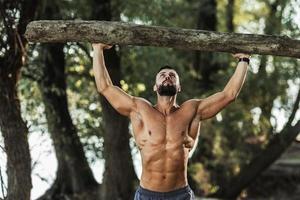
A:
[165,132]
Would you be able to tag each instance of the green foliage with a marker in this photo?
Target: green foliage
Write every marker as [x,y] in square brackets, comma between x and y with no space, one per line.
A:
[83,99]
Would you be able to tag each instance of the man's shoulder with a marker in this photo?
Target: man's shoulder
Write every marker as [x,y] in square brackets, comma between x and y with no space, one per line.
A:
[191,103]
[142,102]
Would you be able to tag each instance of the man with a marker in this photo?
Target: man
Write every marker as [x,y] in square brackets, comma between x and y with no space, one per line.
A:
[165,132]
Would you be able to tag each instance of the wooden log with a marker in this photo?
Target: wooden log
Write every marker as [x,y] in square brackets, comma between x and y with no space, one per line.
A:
[143,35]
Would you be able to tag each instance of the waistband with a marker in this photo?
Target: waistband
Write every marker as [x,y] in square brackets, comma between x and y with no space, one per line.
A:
[172,193]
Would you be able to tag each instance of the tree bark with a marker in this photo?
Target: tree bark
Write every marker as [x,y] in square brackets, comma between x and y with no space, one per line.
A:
[119,177]
[132,34]
[13,128]
[14,131]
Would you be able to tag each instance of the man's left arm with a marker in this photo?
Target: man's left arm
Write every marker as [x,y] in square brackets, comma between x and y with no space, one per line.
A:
[213,104]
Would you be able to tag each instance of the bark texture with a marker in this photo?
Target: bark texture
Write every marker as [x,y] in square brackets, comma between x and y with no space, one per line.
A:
[119,176]
[14,131]
[132,34]
[13,128]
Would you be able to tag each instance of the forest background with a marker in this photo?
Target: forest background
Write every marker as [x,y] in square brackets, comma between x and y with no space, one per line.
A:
[61,138]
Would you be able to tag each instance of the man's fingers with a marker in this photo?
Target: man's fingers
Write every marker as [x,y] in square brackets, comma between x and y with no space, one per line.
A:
[101,45]
[240,55]
[107,46]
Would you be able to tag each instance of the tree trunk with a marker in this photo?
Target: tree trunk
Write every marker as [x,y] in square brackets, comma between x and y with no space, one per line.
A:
[273,26]
[205,62]
[14,132]
[13,128]
[119,176]
[229,16]
[74,175]
[127,33]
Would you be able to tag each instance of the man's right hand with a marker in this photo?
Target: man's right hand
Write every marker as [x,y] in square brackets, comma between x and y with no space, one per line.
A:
[240,55]
[101,46]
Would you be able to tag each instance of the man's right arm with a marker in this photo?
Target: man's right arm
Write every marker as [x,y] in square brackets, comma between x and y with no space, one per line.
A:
[121,101]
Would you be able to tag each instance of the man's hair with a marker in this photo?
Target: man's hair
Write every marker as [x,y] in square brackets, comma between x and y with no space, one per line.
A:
[166,67]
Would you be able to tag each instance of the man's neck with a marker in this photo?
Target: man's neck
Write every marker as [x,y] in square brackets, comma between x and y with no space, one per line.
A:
[166,104]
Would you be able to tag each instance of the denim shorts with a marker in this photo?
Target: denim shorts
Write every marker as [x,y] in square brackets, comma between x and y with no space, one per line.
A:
[185,193]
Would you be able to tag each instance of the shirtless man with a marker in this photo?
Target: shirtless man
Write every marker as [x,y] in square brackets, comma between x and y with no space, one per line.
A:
[166,132]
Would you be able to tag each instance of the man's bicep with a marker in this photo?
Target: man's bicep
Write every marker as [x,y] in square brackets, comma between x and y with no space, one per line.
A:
[213,104]
[120,100]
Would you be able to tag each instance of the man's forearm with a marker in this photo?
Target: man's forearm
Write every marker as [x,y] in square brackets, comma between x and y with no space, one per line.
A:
[236,82]
[102,77]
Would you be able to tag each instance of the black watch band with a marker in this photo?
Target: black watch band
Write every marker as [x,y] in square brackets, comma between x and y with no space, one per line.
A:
[247,60]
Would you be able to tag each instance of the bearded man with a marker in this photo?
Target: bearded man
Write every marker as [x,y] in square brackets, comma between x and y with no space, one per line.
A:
[165,132]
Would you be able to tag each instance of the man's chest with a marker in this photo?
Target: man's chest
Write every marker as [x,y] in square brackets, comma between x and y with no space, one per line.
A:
[151,124]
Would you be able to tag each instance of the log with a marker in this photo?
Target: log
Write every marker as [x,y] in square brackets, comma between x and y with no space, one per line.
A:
[123,33]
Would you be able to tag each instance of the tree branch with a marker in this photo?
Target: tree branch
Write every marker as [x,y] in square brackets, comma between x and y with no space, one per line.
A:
[295,108]
[132,34]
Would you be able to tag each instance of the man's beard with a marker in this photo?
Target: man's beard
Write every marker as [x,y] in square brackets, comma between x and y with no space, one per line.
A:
[167,90]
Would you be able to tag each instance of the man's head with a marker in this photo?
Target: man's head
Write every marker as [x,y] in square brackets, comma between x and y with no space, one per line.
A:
[167,81]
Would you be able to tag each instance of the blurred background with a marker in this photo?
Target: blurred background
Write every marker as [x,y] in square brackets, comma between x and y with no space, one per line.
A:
[60,135]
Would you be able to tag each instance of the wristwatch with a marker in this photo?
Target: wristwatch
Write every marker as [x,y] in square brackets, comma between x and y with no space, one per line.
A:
[244,59]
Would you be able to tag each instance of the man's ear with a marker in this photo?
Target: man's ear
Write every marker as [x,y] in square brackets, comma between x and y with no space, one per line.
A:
[154,88]
[179,88]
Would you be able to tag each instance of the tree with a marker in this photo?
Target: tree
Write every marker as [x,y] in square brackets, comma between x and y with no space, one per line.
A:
[205,62]
[278,142]
[73,175]
[230,15]
[277,145]
[14,17]
[119,172]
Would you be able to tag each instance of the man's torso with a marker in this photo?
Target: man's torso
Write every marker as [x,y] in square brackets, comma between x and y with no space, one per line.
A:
[164,142]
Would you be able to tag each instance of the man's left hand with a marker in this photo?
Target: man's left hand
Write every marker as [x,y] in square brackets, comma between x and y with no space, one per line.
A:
[241,55]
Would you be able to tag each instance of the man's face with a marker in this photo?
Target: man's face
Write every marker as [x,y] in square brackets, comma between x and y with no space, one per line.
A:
[167,82]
